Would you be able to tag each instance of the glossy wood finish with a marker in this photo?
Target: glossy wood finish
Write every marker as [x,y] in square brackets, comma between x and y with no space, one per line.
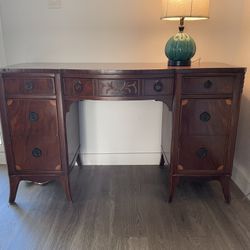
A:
[29,86]
[209,116]
[204,100]
[123,208]
[208,85]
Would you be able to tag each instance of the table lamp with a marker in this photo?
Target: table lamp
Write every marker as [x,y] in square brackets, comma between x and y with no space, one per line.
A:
[181,47]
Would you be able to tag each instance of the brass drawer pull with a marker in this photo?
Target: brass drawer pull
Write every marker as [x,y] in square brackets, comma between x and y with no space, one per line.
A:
[28,86]
[205,117]
[202,153]
[78,86]
[208,84]
[158,86]
[33,116]
[36,152]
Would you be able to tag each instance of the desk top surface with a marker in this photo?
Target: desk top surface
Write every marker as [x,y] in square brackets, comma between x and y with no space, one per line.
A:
[111,68]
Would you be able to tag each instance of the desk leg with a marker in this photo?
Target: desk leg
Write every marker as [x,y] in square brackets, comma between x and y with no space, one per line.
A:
[225,184]
[14,183]
[66,186]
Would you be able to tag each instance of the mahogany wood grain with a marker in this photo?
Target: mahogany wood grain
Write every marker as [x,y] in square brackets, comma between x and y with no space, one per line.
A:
[29,86]
[204,100]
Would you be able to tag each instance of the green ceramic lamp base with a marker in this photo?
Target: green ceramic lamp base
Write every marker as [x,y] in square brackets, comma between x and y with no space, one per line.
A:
[180,48]
[179,63]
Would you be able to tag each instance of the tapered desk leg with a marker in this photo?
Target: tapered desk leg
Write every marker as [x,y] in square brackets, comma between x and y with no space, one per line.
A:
[225,184]
[14,183]
[66,186]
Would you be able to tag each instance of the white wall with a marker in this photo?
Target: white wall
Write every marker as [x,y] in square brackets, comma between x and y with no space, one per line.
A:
[125,31]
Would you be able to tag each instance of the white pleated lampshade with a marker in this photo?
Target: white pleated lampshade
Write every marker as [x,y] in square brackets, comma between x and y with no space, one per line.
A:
[190,9]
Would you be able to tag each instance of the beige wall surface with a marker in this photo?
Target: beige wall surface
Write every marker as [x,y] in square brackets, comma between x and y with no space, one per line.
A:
[125,31]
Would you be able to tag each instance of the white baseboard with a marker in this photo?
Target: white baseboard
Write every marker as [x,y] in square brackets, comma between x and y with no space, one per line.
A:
[241,178]
[2,158]
[121,159]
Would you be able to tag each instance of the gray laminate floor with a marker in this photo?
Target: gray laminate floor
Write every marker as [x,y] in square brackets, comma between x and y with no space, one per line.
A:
[122,207]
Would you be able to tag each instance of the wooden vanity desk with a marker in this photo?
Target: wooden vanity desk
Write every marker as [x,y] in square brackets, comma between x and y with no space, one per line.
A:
[39,115]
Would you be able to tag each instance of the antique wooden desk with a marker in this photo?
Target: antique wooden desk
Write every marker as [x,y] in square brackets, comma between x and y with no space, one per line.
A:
[39,113]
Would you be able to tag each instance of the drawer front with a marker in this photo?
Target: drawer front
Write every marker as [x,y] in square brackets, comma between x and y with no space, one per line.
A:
[161,86]
[78,87]
[32,117]
[119,87]
[36,153]
[199,153]
[206,116]
[29,86]
[208,85]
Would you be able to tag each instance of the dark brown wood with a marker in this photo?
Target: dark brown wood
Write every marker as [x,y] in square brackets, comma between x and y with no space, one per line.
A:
[206,116]
[225,183]
[213,84]
[78,87]
[39,112]
[14,183]
[29,86]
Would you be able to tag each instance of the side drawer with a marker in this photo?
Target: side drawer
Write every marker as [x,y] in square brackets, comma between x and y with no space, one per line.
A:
[29,86]
[199,153]
[32,117]
[160,86]
[206,116]
[78,87]
[208,85]
[119,87]
[36,153]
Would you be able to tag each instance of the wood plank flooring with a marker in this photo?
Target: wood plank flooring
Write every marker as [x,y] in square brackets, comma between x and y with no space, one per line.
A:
[122,207]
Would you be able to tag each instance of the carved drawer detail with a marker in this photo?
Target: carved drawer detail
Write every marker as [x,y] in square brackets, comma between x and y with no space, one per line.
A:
[115,87]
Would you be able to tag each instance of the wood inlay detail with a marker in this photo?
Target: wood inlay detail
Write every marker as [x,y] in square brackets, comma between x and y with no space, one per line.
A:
[18,167]
[9,102]
[58,167]
[220,168]
[184,102]
[52,103]
[228,101]
[180,167]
